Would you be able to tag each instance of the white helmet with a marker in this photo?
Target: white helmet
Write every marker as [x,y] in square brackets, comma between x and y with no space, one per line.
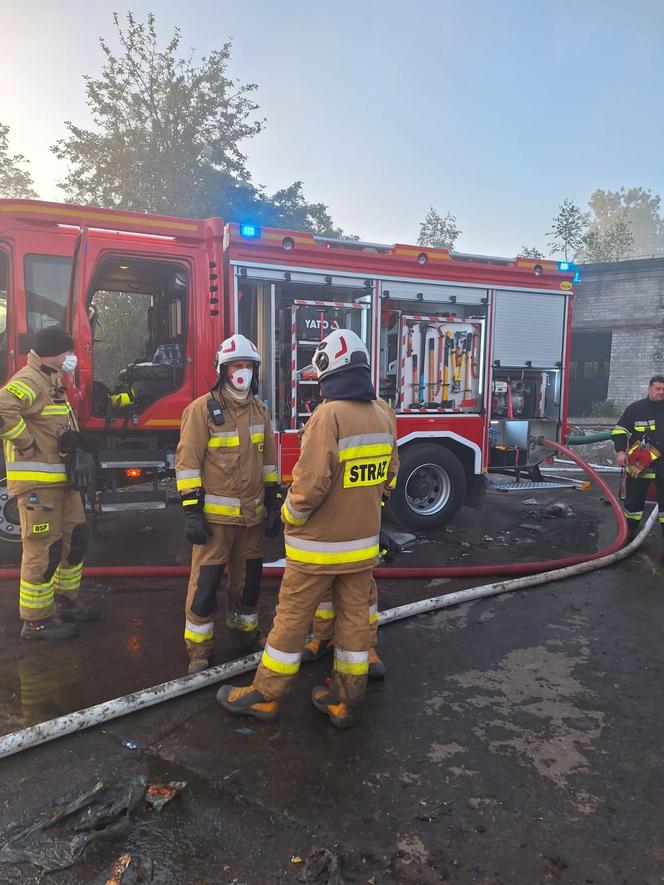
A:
[237,347]
[338,351]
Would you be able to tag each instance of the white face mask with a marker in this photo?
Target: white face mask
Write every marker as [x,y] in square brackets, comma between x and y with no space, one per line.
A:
[240,379]
[69,363]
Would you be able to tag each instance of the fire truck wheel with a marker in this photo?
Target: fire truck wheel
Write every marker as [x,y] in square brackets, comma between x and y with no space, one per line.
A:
[10,526]
[431,487]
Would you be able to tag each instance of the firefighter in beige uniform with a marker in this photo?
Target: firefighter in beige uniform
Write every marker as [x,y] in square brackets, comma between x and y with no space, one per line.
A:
[332,526]
[46,469]
[322,638]
[226,474]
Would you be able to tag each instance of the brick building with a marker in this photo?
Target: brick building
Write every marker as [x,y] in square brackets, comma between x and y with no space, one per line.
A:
[617,332]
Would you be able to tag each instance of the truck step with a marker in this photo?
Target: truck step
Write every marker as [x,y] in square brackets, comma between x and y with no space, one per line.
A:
[110,502]
[131,458]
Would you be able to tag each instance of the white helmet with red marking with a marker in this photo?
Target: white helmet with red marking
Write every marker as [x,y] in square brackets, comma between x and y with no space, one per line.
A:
[338,351]
[237,347]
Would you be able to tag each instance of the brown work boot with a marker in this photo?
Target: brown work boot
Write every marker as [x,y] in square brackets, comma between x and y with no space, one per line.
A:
[376,666]
[72,611]
[50,628]
[245,700]
[340,715]
[198,665]
[315,649]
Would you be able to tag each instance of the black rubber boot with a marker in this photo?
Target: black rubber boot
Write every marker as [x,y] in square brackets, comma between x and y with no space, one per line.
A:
[74,612]
[315,649]
[198,665]
[49,628]
[633,527]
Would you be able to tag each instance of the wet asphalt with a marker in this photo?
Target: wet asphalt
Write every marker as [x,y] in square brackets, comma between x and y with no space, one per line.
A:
[515,740]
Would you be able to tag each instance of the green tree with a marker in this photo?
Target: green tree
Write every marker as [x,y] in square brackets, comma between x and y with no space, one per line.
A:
[636,206]
[437,231]
[531,252]
[165,129]
[566,234]
[168,135]
[15,181]
[611,244]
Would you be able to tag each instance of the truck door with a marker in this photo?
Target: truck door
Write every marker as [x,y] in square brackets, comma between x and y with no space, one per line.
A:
[6,365]
[129,315]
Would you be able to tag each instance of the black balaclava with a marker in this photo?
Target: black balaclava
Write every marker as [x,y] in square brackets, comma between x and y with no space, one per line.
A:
[354,383]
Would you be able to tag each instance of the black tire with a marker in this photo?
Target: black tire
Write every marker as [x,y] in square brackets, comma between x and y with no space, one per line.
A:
[431,488]
[10,526]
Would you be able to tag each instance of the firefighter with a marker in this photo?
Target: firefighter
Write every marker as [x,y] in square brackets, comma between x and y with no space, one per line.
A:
[332,526]
[226,474]
[322,634]
[638,438]
[47,468]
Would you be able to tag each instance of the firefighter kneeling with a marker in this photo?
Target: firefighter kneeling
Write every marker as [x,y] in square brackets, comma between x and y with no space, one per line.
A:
[332,524]
[47,468]
[226,473]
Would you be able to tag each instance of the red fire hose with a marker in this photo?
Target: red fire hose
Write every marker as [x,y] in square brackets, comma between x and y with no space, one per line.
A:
[446,571]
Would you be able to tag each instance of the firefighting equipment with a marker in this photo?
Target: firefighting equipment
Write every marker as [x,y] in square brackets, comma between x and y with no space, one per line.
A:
[640,457]
[274,498]
[240,379]
[198,665]
[78,462]
[344,465]
[73,612]
[196,527]
[69,363]
[339,714]
[388,547]
[300,593]
[48,629]
[338,351]
[345,462]
[35,416]
[228,465]
[52,341]
[55,537]
[640,433]
[34,413]
[316,648]
[237,347]
[247,701]
[239,549]
[376,666]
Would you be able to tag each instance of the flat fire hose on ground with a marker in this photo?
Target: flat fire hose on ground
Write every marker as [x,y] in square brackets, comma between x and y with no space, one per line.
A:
[139,700]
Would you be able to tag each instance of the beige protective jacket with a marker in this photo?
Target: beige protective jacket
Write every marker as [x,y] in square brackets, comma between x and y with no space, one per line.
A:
[333,508]
[231,462]
[34,411]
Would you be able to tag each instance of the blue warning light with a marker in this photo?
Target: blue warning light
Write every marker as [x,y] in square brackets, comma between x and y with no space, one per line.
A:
[250,231]
[564,265]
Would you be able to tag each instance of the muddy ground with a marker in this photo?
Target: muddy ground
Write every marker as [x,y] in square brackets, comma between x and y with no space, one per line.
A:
[515,740]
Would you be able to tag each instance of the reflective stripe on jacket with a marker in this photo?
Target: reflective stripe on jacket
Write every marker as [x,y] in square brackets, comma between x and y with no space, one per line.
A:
[231,463]
[34,411]
[332,510]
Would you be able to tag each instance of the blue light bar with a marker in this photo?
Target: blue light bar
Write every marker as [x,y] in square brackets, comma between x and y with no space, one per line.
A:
[564,265]
[250,231]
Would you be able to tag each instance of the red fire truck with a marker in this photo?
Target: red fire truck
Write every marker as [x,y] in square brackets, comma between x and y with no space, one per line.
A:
[471,351]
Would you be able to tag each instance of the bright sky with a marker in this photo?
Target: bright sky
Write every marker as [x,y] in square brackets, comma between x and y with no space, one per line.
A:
[496,111]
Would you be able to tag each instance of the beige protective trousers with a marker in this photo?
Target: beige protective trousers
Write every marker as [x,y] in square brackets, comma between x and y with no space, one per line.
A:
[300,595]
[55,537]
[241,550]
[324,617]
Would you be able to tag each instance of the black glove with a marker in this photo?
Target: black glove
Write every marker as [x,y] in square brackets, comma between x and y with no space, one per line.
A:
[388,547]
[274,498]
[79,467]
[196,526]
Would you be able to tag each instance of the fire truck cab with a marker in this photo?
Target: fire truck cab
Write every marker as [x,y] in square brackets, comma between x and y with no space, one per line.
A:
[470,351]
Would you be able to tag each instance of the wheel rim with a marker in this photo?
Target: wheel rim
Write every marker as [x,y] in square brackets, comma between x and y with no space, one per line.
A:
[10,526]
[428,489]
